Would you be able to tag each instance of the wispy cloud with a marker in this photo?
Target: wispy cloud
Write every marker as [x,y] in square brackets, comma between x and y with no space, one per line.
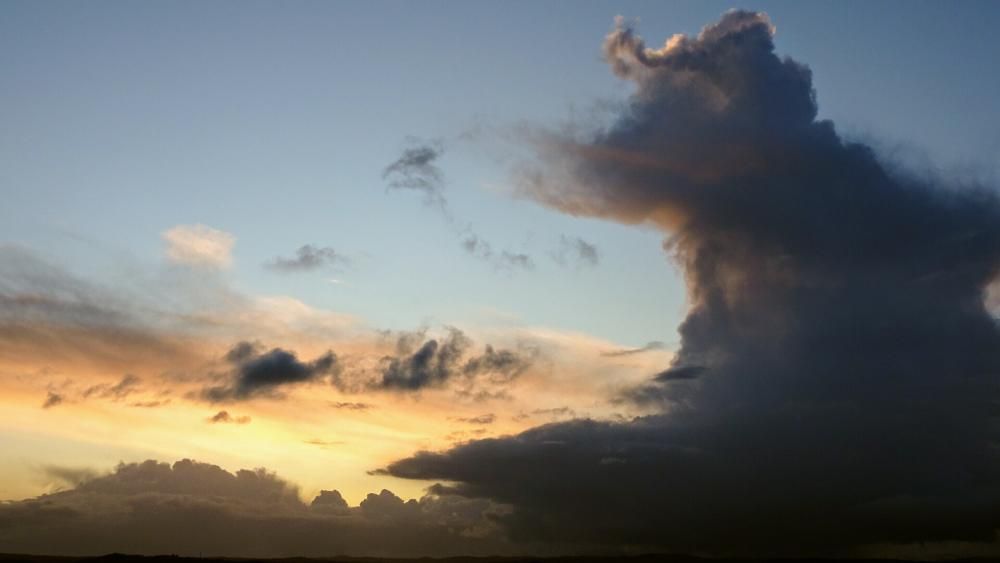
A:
[417,169]
[199,245]
[488,418]
[574,251]
[648,347]
[223,417]
[52,399]
[308,258]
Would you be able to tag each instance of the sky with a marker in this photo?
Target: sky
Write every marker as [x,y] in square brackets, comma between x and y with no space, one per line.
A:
[493,271]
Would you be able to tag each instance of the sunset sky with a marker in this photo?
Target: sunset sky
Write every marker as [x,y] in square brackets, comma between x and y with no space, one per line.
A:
[530,264]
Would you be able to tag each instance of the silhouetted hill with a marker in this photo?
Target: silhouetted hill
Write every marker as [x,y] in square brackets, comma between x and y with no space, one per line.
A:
[123,558]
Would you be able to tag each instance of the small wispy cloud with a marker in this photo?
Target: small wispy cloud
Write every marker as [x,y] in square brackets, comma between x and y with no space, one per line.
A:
[52,399]
[323,443]
[308,258]
[199,246]
[503,260]
[574,251]
[223,417]
[351,406]
[488,418]
[128,385]
[648,347]
[416,169]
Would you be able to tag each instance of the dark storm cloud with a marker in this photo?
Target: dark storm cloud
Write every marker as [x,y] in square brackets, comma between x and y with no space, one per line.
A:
[329,500]
[664,388]
[434,362]
[308,258]
[838,373]
[191,508]
[257,373]
[678,373]
[223,417]
[574,251]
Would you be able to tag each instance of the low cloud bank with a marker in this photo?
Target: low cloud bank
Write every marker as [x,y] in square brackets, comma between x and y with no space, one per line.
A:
[192,508]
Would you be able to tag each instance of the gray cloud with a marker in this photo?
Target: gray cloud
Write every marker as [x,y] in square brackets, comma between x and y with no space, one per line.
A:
[52,399]
[128,385]
[574,251]
[434,362]
[417,169]
[329,501]
[308,258]
[223,417]
[489,418]
[351,406]
[648,347]
[837,378]
[323,443]
[191,508]
[257,373]
[504,260]
[73,476]
[150,404]
[499,365]
[430,365]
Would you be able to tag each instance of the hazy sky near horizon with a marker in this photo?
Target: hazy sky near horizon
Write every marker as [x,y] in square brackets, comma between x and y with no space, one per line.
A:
[311,236]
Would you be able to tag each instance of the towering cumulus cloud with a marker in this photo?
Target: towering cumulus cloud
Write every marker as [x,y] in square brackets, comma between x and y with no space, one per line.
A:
[838,380]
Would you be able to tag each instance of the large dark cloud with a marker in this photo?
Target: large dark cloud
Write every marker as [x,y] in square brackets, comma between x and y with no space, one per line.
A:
[257,373]
[191,508]
[434,362]
[838,377]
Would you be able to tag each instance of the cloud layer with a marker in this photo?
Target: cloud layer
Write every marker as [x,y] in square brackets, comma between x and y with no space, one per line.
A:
[191,508]
[838,377]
